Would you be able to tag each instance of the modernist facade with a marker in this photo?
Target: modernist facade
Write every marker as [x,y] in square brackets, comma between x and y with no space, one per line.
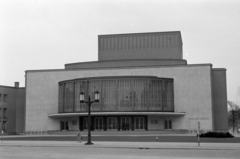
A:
[144,84]
[12,108]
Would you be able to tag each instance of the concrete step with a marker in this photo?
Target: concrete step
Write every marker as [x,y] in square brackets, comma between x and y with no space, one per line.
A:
[116,133]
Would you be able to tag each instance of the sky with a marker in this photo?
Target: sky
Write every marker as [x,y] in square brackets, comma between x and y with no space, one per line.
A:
[46,34]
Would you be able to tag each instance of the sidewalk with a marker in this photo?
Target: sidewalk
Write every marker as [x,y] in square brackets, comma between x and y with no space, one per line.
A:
[127,145]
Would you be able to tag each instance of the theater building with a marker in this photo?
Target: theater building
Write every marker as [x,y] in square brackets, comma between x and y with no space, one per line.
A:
[144,84]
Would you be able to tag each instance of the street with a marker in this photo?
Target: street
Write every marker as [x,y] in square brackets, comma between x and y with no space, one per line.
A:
[134,138]
[111,153]
[107,150]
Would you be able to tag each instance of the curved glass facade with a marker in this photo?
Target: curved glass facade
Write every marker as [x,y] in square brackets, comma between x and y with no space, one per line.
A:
[118,94]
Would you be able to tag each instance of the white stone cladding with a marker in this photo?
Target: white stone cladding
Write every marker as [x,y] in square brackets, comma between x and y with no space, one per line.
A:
[192,94]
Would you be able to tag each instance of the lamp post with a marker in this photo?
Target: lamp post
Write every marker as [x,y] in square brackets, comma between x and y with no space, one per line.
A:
[89,103]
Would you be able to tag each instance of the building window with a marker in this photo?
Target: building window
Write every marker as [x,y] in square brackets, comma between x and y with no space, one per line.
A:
[4,125]
[85,123]
[118,94]
[112,123]
[139,123]
[99,123]
[5,98]
[4,113]
[168,124]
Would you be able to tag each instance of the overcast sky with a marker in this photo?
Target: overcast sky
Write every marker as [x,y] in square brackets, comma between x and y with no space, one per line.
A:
[46,34]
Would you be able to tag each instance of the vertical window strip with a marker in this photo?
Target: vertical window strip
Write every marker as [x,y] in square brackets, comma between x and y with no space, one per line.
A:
[120,43]
[116,43]
[61,104]
[105,95]
[77,93]
[123,43]
[138,42]
[112,43]
[121,95]
[64,97]
[4,113]
[127,42]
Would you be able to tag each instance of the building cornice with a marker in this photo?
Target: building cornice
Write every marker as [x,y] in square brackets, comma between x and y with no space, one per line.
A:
[114,68]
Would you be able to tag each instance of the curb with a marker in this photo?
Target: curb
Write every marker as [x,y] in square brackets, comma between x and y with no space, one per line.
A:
[124,147]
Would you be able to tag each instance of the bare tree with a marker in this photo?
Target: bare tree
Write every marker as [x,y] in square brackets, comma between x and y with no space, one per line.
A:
[233,114]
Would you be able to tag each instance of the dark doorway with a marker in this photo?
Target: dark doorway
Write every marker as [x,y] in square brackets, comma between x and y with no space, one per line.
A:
[64,125]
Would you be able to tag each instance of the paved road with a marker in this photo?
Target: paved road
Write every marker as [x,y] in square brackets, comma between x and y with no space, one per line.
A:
[115,150]
[134,138]
[108,146]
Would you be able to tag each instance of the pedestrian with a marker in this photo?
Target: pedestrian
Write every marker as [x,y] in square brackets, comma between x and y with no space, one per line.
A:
[79,137]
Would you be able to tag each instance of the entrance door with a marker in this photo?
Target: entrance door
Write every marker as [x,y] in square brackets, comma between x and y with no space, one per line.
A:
[85,123]
[125,123]
[67,128]
[139,123]
[98,123]
[112,123]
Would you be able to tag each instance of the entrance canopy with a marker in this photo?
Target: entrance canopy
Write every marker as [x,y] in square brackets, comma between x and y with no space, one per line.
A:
[116,113]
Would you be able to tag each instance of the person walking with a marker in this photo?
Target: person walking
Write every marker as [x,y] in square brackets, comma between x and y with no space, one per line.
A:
[79,137]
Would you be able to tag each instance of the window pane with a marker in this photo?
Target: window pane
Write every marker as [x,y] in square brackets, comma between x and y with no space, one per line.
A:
[4,113]
[170,124]
[166,125]
[124,94]
[141,123]
[4,125]
[61,98]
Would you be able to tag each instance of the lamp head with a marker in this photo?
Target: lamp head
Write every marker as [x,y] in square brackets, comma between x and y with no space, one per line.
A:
[81,97]
[97,96]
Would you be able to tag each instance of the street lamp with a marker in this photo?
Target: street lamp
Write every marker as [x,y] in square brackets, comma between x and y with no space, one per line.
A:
[89,103]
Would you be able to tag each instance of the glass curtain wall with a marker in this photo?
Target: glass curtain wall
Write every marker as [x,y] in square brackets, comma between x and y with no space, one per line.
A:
[123,94]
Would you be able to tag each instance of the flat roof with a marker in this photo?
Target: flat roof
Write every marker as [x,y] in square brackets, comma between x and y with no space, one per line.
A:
[108,68]
[144,33]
